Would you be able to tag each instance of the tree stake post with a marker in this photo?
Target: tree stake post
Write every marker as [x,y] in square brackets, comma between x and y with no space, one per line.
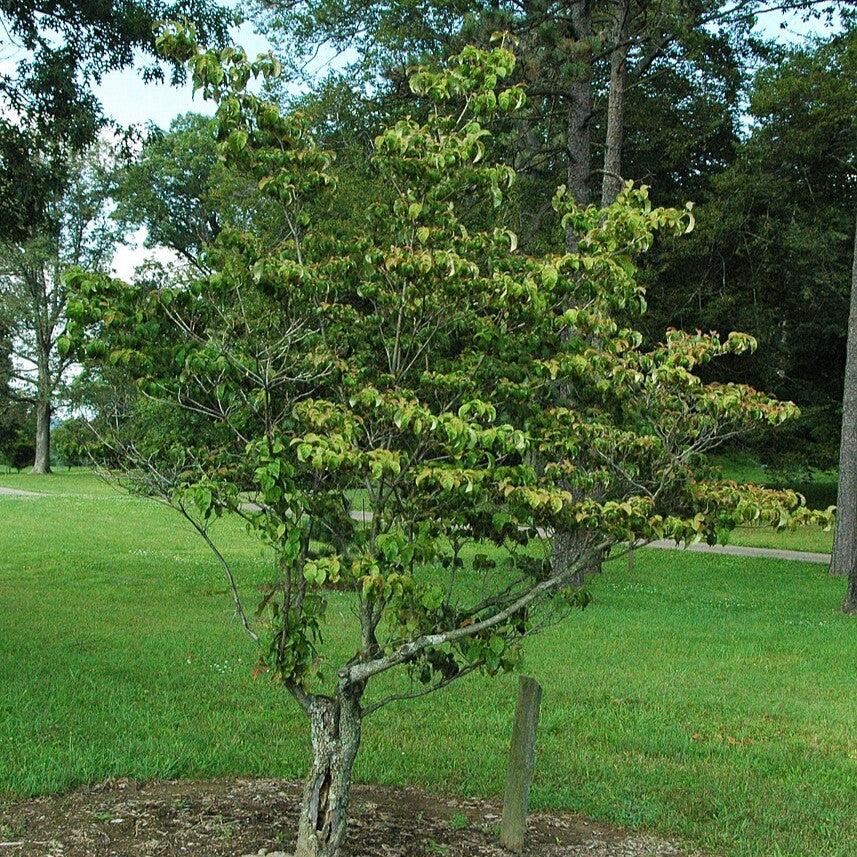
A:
[520,773]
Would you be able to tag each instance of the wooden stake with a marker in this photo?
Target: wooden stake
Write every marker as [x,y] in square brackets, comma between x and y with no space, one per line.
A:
[520,774]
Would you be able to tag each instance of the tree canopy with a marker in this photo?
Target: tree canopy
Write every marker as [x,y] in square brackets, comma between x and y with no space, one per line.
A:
[474,397]
[50,111]
[773,249]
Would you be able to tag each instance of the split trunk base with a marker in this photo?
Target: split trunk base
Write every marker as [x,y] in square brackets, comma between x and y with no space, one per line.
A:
[335,731]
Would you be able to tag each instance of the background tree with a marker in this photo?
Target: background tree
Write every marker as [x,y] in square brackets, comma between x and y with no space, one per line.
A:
[79,232]
[772,248]
[16,437]
[584,64]
[57,51]
[75,442]
[175,188]
[843,560]
[422,359]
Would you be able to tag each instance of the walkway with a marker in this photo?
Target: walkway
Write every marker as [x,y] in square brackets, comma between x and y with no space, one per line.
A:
[724,550]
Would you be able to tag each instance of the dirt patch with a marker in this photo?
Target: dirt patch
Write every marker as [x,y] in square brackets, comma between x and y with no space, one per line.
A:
[221,818]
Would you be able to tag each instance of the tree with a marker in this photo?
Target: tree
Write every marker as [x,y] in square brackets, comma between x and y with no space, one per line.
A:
[16,439]
[420,358]
[49,110]
[843,560]
[175,188]
[79,232]
[774,237]
[581,61]
[76,442]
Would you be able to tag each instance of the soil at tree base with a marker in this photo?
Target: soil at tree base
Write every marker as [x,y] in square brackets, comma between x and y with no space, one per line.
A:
[231,818]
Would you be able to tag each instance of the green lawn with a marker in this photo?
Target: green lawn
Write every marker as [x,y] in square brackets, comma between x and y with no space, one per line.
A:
[819,491]
[813,539]
[709,698]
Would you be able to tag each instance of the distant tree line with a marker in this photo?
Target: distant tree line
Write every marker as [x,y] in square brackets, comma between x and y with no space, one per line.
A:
[691,100]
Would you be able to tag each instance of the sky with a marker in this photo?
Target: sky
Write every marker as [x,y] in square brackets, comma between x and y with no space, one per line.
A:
[130,101]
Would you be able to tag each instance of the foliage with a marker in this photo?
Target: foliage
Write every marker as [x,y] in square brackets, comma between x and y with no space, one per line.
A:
[17,434]
[426,360]
[79,232]
[690,75]
[75,442]
[174,188]
[49,107]
[773,249]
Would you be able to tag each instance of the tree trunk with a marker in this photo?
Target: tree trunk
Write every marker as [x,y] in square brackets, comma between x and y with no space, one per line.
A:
[335,731]
[612,181]
[578,126]
[850,604]
[42,463]
[844,558]
[568,546]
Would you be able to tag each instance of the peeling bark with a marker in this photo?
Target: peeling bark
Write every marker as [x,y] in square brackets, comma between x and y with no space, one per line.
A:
[335,732]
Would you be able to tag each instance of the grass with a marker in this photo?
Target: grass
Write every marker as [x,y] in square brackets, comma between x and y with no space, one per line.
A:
[819,489]
[705,697]
[809,538]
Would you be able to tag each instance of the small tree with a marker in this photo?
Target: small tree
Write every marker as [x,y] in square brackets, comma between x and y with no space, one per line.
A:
[76,442]
[424,362]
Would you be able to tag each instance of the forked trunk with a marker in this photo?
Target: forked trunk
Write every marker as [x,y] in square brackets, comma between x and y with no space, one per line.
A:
[42,462]
[335,731]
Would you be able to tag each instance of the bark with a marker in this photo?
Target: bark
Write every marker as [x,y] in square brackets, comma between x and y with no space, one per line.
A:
[567,547]
[844,556]
[42,463]
[612,181]
[335,731]
[850,605]
[578,125]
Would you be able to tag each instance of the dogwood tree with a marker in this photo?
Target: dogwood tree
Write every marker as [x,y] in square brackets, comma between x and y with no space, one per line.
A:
[420,364]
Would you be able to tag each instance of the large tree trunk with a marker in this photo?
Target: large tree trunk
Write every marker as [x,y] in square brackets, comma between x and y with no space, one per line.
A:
[42,462]
[578,126]
[335,731]
[844,557]
[612,181]
[569,546]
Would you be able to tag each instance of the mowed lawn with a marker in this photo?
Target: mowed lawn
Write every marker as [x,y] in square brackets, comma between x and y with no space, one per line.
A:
[818,489]
[709,698]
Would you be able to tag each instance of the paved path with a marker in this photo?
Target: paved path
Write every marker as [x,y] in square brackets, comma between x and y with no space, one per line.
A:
[17,492]
[724,550]
[742,550]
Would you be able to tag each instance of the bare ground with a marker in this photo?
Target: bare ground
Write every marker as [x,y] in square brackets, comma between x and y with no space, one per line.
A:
[233,818]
